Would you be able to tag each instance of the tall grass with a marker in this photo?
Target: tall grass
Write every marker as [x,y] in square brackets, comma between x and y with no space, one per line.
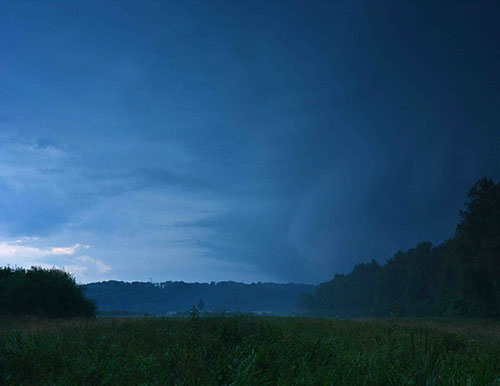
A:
[245,351]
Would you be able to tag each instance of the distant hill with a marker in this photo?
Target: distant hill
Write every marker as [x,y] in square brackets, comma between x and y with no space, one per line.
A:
[167,297]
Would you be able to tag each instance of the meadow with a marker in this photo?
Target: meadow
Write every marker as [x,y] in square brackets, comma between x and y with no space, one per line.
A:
[244,350]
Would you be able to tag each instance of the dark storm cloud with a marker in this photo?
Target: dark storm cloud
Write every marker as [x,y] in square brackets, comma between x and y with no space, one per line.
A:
[266,248]
[148,177]
[248,140]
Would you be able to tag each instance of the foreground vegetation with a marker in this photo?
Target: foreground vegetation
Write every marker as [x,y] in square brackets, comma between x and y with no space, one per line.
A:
[249,351]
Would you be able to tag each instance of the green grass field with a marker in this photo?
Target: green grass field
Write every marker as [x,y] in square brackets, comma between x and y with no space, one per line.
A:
[249,351]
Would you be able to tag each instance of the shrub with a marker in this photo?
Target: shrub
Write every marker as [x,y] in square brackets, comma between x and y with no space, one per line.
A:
[43,293]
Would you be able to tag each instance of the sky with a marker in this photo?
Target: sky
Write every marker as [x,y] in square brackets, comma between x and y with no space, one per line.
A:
[251,141]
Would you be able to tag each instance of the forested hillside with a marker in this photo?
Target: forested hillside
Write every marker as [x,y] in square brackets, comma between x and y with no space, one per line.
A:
[162,298]
[459,277]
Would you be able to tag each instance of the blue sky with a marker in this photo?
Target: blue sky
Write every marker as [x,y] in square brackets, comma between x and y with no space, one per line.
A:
[247,141]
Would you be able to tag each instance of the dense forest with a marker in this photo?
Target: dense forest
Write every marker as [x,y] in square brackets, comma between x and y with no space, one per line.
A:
[42,293]
[459,277]
[167,297]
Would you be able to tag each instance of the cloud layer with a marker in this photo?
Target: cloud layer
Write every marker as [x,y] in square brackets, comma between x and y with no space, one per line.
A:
[230,141]
[24,253]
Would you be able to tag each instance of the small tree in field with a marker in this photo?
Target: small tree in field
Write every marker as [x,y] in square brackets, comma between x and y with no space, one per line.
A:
[201,305]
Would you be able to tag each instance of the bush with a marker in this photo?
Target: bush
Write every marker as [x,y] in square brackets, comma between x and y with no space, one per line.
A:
[43,293]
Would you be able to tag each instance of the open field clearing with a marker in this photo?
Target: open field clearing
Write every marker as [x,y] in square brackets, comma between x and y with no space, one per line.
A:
[249,351]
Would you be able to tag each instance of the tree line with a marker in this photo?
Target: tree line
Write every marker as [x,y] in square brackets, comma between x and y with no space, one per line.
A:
[459,277]
[175,296]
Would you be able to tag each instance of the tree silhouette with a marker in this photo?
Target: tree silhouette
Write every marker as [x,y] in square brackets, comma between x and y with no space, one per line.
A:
[201,304]
[42,292]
